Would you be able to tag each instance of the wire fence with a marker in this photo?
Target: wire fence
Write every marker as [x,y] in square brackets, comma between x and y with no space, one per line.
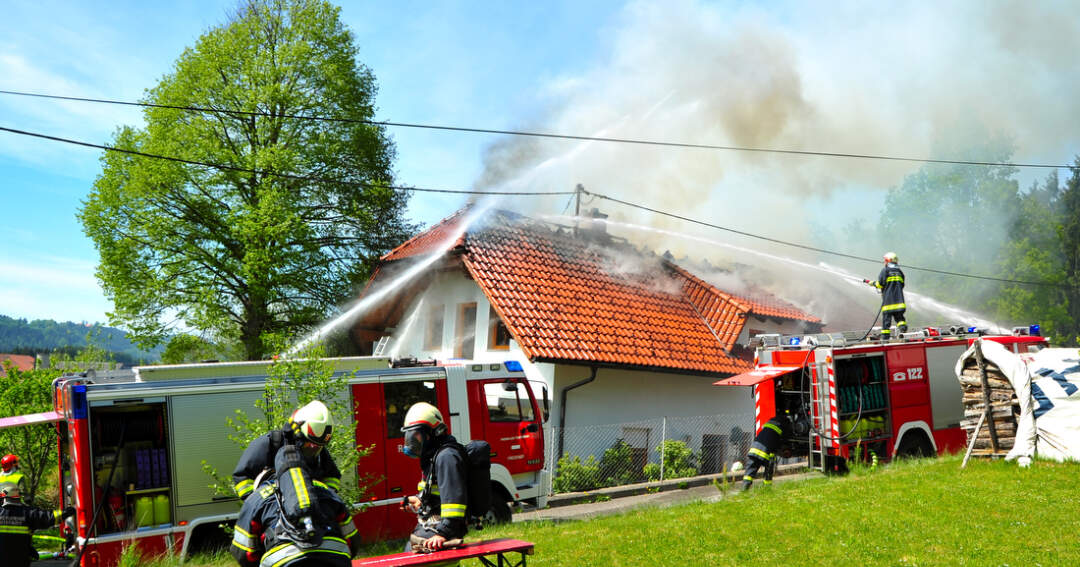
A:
[600,456]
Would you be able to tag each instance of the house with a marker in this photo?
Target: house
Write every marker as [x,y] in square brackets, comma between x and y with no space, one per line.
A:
[22,362]
[616,337]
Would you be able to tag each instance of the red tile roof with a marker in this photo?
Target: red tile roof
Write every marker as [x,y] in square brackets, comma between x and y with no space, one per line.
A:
[430,239]
[19,361]
[566,299]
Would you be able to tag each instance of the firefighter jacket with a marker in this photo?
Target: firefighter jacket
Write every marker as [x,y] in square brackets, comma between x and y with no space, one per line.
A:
[17,521]
[266,536]
[444,487]
[260,455]
[768,440]
[891,283]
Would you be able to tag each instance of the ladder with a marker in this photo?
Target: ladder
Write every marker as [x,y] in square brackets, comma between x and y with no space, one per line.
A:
[380,346]
[819,407]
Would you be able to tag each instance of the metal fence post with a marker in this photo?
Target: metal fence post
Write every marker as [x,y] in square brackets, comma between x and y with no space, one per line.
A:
[663,439]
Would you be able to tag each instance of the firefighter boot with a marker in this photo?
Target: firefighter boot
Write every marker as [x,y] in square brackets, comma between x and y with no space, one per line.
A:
[901,326]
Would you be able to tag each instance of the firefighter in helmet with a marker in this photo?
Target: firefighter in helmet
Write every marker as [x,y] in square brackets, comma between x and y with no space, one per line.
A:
[890,283]
[294,521]
[308,429]
[764,449]
[11,473]
[440,505]
[17,521]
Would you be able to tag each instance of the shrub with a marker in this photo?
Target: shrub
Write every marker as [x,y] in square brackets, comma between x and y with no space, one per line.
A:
[679,461]
[575,475]
[617,465]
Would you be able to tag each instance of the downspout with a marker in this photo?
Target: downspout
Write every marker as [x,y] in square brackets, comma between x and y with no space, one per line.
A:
[562,408]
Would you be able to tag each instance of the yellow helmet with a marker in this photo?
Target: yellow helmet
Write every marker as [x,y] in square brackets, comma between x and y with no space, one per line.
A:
[313,423]
[424,414]
[890,257]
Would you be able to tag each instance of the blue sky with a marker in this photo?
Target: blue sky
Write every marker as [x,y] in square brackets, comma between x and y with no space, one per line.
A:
[898,79]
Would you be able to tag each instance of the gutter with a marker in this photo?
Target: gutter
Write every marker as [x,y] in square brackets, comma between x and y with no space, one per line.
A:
[562,407]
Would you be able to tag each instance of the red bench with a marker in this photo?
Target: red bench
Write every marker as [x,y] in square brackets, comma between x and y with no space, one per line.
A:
[492,553]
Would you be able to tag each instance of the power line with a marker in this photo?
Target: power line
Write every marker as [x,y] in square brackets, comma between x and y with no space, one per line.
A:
[274,173]
[814,249]
[469,192]
[550,135]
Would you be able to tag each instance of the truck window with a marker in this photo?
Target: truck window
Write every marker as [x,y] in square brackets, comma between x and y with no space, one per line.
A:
[508,401]
[400,396]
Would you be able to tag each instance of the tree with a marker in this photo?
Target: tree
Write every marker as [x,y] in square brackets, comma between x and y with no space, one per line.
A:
[25,393]
[1044,245]
[274,244]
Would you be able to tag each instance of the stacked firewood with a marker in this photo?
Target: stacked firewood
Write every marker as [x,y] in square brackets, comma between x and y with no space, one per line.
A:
[1005,409]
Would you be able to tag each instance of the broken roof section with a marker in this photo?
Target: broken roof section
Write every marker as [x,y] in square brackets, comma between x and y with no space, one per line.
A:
[577,298]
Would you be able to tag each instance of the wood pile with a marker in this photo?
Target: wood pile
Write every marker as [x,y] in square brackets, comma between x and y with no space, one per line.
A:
[1005,408]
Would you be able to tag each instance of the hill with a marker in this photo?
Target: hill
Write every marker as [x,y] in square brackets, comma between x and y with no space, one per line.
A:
[45,335]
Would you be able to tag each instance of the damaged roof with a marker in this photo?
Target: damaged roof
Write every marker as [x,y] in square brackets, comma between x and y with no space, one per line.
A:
[572,298]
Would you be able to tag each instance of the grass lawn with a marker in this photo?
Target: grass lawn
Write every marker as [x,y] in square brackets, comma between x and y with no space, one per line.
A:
[909,513]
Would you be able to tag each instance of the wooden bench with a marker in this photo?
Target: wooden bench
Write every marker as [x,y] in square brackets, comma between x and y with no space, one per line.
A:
[492,553]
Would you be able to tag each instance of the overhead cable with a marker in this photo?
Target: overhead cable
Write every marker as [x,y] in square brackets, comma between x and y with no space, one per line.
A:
[552,135]
[580,190]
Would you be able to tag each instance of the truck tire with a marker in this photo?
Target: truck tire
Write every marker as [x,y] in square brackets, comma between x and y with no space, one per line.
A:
[500,512]
[914,445]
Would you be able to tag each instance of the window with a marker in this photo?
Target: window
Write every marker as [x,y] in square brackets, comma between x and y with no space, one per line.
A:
[508,401]
[498,336]
[465,331]
[434,329]
[399,397]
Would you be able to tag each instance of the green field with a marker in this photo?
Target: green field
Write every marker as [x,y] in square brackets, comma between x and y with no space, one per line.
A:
[909,513]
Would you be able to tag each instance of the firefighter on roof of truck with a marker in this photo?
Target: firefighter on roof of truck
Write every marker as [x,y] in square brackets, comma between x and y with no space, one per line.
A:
[891,284]
[764,448]
[444,484]
[308,429]
[17,521]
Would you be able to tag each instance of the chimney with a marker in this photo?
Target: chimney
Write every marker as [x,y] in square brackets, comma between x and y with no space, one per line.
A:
[596,230]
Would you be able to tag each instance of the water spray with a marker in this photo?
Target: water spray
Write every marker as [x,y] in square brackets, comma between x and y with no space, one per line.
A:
[370,300]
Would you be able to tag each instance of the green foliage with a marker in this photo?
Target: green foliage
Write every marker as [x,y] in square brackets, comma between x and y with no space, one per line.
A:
[184,348]
[617,465]
[293,382]
[575,475]
[243,255]
[24,393]
[679,461]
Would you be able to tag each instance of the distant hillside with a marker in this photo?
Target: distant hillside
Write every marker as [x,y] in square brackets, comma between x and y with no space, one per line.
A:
[45,335]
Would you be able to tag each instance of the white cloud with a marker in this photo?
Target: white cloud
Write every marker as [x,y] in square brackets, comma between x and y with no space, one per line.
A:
[63,289]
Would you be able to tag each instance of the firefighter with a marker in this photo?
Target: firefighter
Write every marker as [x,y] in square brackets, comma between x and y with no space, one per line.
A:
[309,429]
[890,283]
[294,521]
[11,473]
[440,505]
[17,521]
[764,448]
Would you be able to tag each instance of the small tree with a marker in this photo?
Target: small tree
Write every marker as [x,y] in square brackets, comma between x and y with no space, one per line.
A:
[679,461]
[293,382]
[24,393]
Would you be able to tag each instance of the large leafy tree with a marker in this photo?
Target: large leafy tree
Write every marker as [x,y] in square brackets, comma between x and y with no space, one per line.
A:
[275,243]
[1044,246]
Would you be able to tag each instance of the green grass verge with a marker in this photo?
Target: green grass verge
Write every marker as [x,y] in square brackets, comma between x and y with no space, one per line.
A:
[907,513]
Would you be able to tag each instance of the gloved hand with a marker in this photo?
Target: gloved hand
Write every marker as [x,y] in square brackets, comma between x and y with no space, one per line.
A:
[69,512]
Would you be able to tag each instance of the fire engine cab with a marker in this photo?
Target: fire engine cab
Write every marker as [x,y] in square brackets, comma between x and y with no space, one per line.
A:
[132,451]
[846,395]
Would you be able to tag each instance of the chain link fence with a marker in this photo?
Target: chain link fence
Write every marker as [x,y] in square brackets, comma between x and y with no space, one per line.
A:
[600,456]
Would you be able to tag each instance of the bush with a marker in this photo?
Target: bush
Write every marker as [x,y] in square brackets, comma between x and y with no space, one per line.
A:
[574,475]
[679,461]
[617,465]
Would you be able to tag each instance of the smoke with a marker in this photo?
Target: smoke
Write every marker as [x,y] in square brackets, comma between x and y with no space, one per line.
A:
[919,80]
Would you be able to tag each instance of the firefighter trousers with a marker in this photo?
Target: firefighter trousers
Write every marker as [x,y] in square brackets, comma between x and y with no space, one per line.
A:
[756,463]
[887,319]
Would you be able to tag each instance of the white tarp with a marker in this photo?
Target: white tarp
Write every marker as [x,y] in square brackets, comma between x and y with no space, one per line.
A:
[1047,385]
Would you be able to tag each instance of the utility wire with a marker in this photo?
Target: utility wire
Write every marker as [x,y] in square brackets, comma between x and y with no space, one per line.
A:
[274,173]
[470,192]
[812,248]
[551,135]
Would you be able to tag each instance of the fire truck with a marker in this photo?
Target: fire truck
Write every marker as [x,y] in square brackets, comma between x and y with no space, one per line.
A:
[848,397]
[148,437]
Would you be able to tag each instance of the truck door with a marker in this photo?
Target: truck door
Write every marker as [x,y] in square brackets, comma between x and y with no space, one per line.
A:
[505,414]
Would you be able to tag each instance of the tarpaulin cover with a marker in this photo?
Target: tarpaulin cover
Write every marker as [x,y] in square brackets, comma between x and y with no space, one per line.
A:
[1045,383]
[756,376]
[30,419]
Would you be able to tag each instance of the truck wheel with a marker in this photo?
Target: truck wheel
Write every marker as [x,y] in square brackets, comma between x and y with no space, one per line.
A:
[914,446]
[500,512]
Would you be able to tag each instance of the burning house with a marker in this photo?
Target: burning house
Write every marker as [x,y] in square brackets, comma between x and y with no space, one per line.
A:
[614,335]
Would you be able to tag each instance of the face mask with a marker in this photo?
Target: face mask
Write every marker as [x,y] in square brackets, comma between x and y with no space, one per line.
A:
[414,444]
[310,449]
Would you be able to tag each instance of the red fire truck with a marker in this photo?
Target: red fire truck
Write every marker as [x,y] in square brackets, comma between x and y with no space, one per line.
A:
[147,436]
[844,393]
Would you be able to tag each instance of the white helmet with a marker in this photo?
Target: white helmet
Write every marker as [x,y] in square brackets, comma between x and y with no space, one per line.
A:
[424,414]
[313,423]
[890,257]
[10,491]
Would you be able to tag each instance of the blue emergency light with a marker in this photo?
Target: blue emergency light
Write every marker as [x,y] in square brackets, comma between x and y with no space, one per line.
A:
[794,341]
[972,329]
[1035,330]
[513,366]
